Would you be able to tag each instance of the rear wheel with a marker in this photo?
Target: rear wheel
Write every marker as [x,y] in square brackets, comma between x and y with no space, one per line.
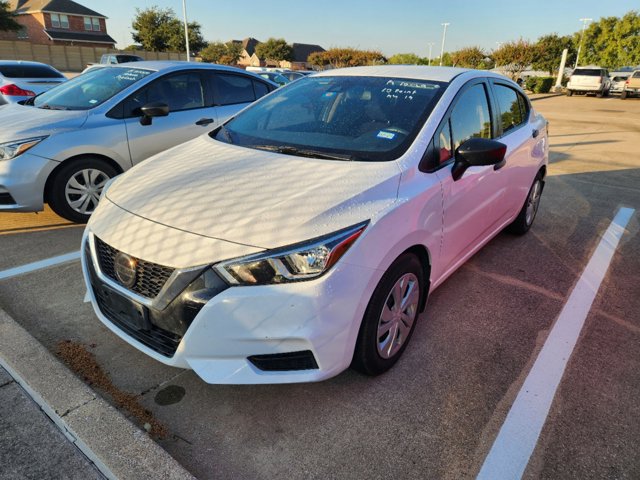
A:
[390,317]
[76,187]
[527,215]
[623,95]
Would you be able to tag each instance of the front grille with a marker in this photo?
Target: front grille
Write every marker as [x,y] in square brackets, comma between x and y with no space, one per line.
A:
[158,339]
[282,362]
[6,199]
[150,277]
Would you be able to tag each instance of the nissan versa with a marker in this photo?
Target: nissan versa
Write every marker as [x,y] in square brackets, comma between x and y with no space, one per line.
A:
[304,235]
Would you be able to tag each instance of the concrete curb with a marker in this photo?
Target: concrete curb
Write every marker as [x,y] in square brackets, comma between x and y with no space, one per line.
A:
[118,448]
[544,95]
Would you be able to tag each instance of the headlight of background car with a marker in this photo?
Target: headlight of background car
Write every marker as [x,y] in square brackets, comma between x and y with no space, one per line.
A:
[303,261]
[11,150]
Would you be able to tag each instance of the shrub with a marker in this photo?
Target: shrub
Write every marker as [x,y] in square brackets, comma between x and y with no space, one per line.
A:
[531,83]
[544,84]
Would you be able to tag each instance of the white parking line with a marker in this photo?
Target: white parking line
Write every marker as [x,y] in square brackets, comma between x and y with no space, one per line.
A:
[30,267]
[519,434]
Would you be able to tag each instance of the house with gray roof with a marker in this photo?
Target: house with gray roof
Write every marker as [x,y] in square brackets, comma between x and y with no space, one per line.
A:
[58,22]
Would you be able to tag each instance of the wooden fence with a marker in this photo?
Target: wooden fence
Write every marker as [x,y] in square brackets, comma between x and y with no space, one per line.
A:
[69,58]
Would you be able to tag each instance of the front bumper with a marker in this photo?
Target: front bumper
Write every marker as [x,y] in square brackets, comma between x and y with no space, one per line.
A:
[22,181]
[240,324]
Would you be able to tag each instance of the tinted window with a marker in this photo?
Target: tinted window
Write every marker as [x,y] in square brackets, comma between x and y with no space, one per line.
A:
[260,89]
[510,114]
[470,117]
[28,71]
[90,89]
[636,75]
[354,118]
[588,72]
[180,92]
[232,89]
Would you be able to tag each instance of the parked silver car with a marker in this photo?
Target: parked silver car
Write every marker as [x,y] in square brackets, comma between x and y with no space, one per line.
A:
[618,80]
[20,81]
[62,146]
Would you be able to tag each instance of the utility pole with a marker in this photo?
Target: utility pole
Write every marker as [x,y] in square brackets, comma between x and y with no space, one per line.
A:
[584,26]
[444,35]
[430,47]
[186,28]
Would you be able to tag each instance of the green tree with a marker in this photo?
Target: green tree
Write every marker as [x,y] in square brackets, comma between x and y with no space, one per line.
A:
[611,42]
[548,52]
[405,59]
[224,53]
[7,22]
[470,57]
[159,30]
[274,50]
[346,57]
[447,60]
[514,57]
[175,41]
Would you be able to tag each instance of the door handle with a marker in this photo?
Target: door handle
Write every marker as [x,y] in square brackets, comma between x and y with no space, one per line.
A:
[204,121]
[535,133]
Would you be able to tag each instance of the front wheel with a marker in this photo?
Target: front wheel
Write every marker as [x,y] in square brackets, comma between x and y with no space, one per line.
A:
[390,317]
[76,187]
[527,215]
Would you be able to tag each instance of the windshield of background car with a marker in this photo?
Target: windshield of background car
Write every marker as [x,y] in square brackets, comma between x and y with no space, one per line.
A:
[90,89]
[358,118]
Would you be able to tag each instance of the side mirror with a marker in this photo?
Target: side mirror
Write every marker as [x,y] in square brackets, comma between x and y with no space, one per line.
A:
[153,109]
[477,152]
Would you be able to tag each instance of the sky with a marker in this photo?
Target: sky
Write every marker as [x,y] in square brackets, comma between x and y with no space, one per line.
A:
[405,26]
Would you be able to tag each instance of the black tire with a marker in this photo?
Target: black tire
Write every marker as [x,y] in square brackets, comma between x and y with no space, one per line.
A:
[623,95]
[599,94]
[523,222]
[569,93]
[57,197]
[367,358]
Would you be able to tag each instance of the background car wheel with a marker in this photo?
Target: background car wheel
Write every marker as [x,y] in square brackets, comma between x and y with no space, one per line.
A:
[623,95]
[569,93]
[527,215]
[390,317]
[76,187]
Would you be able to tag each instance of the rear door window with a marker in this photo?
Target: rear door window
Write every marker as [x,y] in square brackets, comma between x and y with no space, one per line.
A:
[28,71]
[230,89]
[511,114]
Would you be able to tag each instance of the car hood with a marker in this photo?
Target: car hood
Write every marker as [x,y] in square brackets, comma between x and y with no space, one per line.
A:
[20,121]
[252,197]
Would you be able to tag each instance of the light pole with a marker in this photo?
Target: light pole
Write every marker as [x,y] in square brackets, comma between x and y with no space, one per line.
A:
[186,28]
[584,26]
[444,35]
[431,44]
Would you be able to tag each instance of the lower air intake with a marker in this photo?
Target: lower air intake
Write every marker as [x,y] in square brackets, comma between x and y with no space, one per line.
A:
[283,362]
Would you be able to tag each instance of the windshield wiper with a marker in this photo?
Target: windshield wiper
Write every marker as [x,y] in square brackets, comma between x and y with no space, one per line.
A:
[302,152]
[46,106]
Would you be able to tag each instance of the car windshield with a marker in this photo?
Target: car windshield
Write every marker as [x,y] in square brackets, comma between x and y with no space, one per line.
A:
[341,117]
[90,89]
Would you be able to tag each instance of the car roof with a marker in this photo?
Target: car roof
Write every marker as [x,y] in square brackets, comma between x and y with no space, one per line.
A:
[24,62]
[158,65]
[418,72]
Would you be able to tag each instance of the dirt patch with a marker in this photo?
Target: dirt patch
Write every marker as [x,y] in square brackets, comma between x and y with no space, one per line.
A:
[84,363]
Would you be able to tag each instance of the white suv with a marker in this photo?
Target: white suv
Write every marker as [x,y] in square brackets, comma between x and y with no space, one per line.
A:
[589,80]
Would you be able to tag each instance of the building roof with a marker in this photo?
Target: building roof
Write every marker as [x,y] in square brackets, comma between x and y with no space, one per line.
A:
[67,36]
[55,6]
[249,44]
[301,51]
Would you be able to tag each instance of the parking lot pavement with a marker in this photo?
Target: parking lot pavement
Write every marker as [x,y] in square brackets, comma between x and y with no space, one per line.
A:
[437,413]
[30,445]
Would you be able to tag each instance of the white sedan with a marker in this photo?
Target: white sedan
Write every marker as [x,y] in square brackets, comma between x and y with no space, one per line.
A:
[305,234]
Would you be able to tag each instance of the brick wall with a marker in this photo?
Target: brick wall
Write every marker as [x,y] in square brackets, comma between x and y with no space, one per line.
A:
[34,24]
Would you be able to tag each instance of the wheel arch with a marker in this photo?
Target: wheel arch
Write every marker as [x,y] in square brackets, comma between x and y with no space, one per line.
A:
[423,254]
[49,183]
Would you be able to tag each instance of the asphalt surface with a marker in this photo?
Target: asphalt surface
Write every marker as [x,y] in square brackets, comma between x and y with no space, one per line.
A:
[437,412]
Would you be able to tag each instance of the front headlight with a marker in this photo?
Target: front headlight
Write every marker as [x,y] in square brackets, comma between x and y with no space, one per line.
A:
[11,150]
[303,261]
